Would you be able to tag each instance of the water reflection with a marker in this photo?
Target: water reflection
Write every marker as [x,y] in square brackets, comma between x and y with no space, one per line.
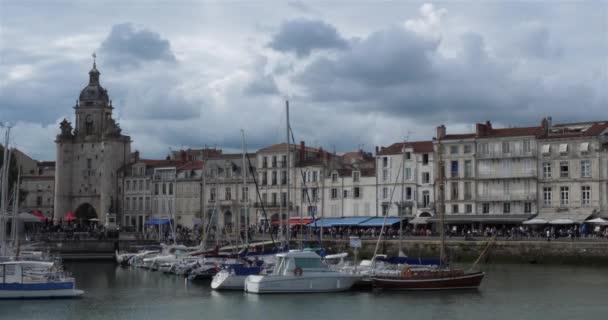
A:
[508,292]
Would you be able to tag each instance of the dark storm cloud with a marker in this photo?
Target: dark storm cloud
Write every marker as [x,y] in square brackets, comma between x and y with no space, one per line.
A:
[385,58]
[302,36]
[398,73]
[126,46]
[46,94]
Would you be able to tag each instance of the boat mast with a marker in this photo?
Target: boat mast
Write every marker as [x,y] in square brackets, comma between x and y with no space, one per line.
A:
[15,209]
[440,198]
[402,204]
[203,198]
[4,189]
[288,233]
[244,191]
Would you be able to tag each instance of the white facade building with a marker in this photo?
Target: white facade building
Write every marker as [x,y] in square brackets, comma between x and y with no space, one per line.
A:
[405,174]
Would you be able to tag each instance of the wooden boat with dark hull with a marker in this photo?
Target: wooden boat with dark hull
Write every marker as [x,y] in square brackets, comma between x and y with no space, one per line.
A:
[430,280]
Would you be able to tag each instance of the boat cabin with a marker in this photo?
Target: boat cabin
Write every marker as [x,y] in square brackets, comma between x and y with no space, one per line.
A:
[287,263]
[23,271]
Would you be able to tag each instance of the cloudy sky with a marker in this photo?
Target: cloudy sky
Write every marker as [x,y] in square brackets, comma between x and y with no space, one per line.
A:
[357,73]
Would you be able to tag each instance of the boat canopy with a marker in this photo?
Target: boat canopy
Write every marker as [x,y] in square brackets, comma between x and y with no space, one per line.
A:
[379,222]
[158,221]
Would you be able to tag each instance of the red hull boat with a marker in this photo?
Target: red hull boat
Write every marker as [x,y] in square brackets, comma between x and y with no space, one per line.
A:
[430,280]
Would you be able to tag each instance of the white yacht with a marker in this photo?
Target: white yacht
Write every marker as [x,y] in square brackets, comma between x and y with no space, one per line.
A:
[300,272]
[35,279]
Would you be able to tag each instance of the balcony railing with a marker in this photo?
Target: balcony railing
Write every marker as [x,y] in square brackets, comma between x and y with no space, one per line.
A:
[499,174]
[501,155]
[506,197]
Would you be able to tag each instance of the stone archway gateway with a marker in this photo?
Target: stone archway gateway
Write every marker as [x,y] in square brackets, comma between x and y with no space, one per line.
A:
[85,212]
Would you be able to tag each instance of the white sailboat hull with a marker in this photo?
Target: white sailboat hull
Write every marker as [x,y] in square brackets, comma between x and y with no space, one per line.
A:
[314,282]
[227,281]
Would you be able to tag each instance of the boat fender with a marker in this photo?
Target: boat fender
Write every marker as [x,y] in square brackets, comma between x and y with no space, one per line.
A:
[297,271]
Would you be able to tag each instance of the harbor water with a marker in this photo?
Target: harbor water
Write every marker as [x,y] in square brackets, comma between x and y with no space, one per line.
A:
[508,292]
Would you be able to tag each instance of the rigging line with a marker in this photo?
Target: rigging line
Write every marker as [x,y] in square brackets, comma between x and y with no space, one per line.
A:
[257,189]
[307,195]
[384,221]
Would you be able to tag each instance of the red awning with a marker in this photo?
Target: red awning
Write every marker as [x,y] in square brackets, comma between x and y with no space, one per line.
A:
[69,217]
[293,221]
[39,214]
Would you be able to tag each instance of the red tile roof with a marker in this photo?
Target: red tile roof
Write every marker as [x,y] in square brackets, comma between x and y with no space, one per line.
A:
[191,165]
[283,146]
[459,136]
[512,132]
[397,148]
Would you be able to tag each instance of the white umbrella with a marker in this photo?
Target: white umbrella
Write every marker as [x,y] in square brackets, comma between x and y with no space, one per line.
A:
[28,217]
[561,221]
[598,221]
[536,221]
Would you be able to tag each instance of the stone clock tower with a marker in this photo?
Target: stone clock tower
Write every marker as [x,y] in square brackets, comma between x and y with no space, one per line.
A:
[89,155]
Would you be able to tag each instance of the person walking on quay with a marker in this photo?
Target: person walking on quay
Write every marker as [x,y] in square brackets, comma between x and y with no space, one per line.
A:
[548,235]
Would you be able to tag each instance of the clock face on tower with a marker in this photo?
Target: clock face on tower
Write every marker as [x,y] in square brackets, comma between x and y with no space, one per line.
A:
[88,123]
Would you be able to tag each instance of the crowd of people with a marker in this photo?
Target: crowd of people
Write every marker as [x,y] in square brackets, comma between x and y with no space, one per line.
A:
[76,231]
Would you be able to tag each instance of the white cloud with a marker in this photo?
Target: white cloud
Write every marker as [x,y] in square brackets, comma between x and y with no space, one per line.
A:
[429,23]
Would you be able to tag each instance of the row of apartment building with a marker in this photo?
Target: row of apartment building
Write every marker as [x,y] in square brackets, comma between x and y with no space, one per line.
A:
[492,176]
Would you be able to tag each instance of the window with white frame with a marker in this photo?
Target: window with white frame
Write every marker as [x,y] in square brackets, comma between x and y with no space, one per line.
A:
[528,207]
[384,162]
[546,169]
[356,192]
[356,175]
[584,148]
[334,193]
[485,208]
[453,149]
[564,169]
[506,207]
[526,146]
[426,177]
[586,168]
[454,208]
[586,195]
[563,149]
[564,196]
[547,195]
[506,147]
[468,208]
[385,193]
[228,194]
[384,174]
[334,177]
[344,194]
[408,173]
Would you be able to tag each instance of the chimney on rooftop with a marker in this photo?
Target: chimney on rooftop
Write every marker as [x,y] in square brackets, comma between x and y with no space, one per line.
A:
[441,132]
[302,151]
[545,124]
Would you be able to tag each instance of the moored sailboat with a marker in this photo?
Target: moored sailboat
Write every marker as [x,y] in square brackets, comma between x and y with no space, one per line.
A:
[439,277]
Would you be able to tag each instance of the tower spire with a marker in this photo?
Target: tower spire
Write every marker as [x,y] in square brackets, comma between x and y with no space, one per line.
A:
[94,73]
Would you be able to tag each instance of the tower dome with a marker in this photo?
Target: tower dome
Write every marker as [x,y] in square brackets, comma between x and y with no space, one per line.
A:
[94,93]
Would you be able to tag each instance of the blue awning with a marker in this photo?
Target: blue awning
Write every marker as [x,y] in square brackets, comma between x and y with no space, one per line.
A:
[157,221]
[336,222]
[378,222]
[328,222]
[354,221]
